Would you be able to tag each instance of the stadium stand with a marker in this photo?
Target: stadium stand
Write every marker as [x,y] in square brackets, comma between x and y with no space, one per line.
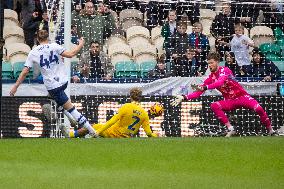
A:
[138,36]
[157,39]
[156,33]
[145,67]
[141,45]
[130,17]
[280,65]
[144,53]
[271,51]
[17,52]
[206,19]
[10,17]
[114,39]
[119,52]
[7,70]
[127,69]
[17,69]
[261,34]
[13,34]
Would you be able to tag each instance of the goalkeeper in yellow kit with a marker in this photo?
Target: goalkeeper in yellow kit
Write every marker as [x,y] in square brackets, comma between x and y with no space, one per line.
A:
[126,122]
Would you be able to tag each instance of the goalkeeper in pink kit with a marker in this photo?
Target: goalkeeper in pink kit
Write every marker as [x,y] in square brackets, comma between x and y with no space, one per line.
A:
[222,79]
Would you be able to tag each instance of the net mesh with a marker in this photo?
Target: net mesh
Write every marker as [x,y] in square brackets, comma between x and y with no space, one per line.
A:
[143,42]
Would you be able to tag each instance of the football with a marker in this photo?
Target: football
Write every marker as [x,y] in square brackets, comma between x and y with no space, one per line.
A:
[156,109]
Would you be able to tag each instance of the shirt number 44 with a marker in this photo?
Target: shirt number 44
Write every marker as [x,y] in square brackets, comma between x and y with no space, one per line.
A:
[46,62]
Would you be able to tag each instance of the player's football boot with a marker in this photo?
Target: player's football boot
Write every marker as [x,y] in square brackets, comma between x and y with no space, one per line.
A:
[64,130]
[271,132]
[93,134]
[230,133]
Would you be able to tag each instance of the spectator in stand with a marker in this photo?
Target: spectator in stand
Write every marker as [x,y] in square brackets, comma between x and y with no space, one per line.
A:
[279,5]
[248,9]
[222,28]
[169,29]
[164,8]
[191,9]
[156,12]
[102,9]
[76,12]
[32,25]
[231,63]
[8,4]
[119,5]
[27,7]
[273,14]
[160,70]
[240,46]
[94,63]
[187,65]
[200,43]
[92,25]
[18,9]
[74,35]
[179,41]
[262,67]
[82,3]
[152,14]
[44,24]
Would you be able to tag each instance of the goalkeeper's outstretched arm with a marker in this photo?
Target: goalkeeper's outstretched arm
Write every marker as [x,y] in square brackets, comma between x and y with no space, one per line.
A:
[199,90]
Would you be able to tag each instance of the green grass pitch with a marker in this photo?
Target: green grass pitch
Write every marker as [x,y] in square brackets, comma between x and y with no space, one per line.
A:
[238,162]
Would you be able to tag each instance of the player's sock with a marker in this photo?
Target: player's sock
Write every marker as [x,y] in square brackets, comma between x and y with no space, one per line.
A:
[82,120]
[65,130]
[73,122]
[229,126]
[70,117]
[74,134]
[231,129]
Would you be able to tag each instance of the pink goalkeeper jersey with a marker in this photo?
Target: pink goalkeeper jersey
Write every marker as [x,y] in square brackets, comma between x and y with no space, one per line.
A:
[224,81]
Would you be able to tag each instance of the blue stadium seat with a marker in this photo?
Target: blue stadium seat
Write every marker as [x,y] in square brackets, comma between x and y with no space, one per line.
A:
[273,57]
[280,65]
[270,48]
[279,36]
[145,67]
[7,70]
[127,69]
[18,67]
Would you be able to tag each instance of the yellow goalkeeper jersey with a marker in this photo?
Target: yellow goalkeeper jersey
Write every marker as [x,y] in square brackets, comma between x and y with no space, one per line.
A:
[126,122]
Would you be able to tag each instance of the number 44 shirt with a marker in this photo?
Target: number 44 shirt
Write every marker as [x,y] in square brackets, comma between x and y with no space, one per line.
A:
[48,57]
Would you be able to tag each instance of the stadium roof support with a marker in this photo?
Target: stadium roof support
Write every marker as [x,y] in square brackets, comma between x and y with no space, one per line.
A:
[67,36]
[67,43]
[1,56]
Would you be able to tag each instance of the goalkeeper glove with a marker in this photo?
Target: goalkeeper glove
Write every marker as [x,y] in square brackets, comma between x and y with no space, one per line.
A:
[177,99]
